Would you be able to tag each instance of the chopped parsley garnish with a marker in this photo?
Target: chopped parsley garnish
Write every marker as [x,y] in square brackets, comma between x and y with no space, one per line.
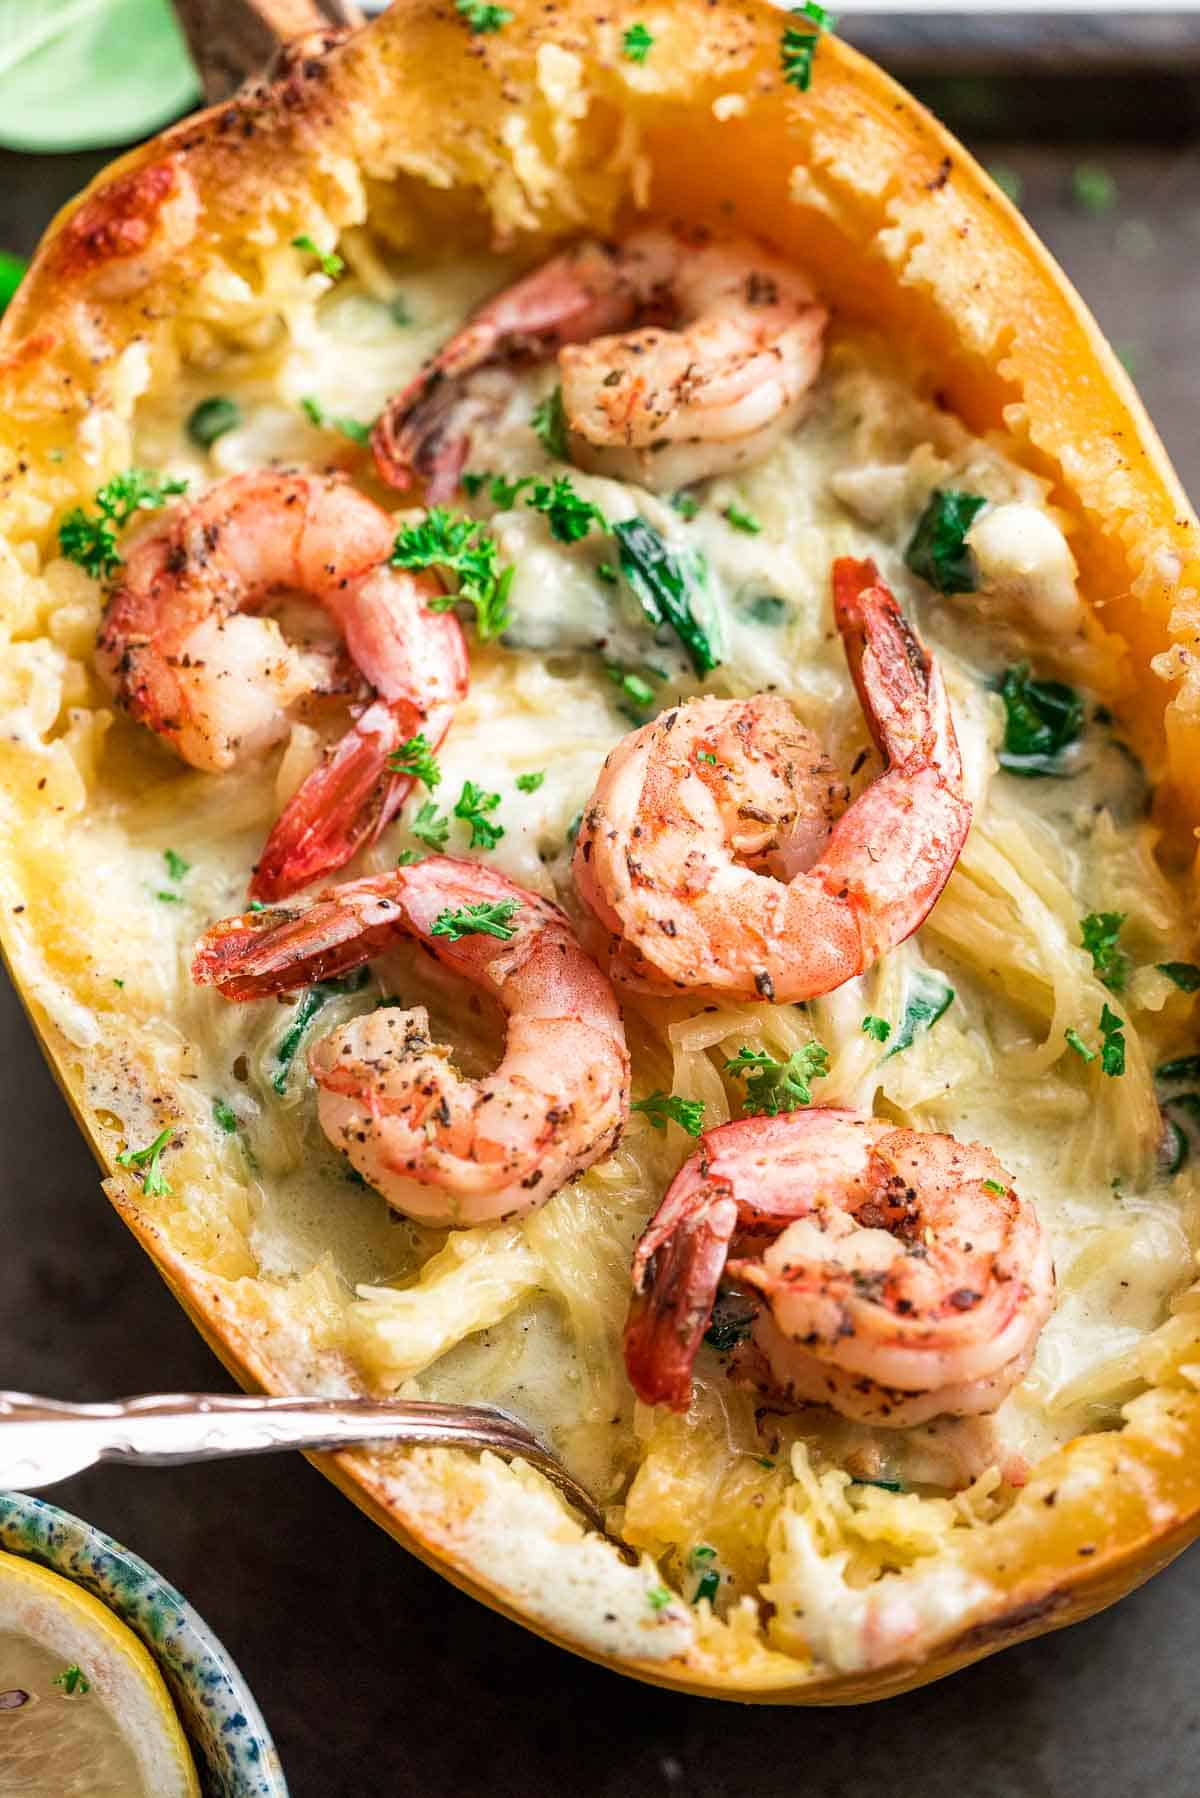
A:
[417,758]
[463,547]
[995,1188]
[154,1182]
[884,1485]
[658,1598]
[257,905]
[549,422]
[637,692]
[212,418]
[529,783]
[731,1322]
[1112,1045]
[637,43]
[328,262]
[877,1028]
[431,827]
[165,897]
[686,504]
[408,858]
[501,490]
[176,866]
[660,1107]
[927,998]
[398,310]
[472,806]
[224,1116]
[1093,189]
[607,573]
[12,273]
[1042,718]
[661,585]
[706,755]
[1185,974]
[938,551]
[316,415]
[73,1680]
[310,1003]
[92,540]
[742,521]
[798,46]
[774,1086]
[707,1586]
[1098,933]
[1076,1042]
[483,919]
[570,518]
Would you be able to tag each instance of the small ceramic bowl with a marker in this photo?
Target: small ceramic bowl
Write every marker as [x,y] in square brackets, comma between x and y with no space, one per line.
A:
[235,1757]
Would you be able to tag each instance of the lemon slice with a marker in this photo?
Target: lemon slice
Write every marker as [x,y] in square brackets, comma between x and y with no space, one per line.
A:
[84,1712]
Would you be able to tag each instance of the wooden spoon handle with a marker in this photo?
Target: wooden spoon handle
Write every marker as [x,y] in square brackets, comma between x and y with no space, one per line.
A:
[230,40]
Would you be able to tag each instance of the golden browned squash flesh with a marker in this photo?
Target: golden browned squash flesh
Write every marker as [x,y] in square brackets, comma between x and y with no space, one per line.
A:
[176,276]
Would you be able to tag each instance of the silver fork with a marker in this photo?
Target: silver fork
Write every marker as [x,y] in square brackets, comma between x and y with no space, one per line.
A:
[43,1441]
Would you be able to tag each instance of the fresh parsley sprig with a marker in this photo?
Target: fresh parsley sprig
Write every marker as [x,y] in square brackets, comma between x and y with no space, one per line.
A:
[472,806]
[154,1182]
[798,46]
[354,428]
[637,43]
[431,827]
[484,919]
[773,1086]
[482,17]
[417,758]
[91,540]
[463,547]
[662,1108]
[549,423]
[1098,933]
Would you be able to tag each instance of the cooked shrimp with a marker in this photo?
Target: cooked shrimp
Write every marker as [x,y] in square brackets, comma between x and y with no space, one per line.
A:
[903,1277]
[439,1147]
[715,349]
[187,652]
[709,850]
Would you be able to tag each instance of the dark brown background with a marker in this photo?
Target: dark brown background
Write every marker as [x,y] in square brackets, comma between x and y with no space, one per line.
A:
[377,1677]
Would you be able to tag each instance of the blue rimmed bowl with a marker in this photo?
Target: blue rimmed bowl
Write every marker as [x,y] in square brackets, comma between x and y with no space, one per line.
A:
[235,1756]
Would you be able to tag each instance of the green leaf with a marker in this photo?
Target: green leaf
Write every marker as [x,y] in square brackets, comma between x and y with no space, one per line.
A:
[85,74]
[154,1183]
[1098,933]
[742,521]
[12,273]
[1042,718]
[1112,1046]
[569,516]
[310,1003]
[353,428]
[417,758]
[927,998]
[176,866]
[471,806]
[431,827]
[707,1586]
[685,503]
[731,1322]
[549,422]
[483,919]
[798,46]
[328,261]
[212,418]
[482,17]
[637,43]
[877,1028]
[461,546]
[662,1108]
[1076,1042]
[91,539]
[774,1086]
[529,783]
[224,1116]
[1185,974]
[663,589]
[938,551]
[73,1680]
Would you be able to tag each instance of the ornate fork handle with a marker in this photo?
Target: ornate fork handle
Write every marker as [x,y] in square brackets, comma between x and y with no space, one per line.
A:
[43,1441]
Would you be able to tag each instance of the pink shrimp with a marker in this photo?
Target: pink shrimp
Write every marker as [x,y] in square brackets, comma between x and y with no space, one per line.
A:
[903,1277]
[439,1147]
[717,345]
[707,848]
[187,651]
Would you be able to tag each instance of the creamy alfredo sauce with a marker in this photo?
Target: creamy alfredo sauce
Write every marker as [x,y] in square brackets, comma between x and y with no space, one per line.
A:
[578,665]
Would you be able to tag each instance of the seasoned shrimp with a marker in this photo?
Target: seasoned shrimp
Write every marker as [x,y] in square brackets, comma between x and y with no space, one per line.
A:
[709,848]
[681,358]
[903,1277]
[439,1147]
[187,653]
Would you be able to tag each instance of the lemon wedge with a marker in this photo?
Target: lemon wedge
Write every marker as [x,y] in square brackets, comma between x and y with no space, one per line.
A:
[84,1712]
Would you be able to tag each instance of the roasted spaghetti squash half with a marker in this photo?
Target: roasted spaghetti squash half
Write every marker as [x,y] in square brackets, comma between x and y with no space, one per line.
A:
[343,537]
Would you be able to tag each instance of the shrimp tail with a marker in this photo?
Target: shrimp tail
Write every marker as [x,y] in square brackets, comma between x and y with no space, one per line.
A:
[423,433]
[287,947]
[341,807]
[676,1271]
